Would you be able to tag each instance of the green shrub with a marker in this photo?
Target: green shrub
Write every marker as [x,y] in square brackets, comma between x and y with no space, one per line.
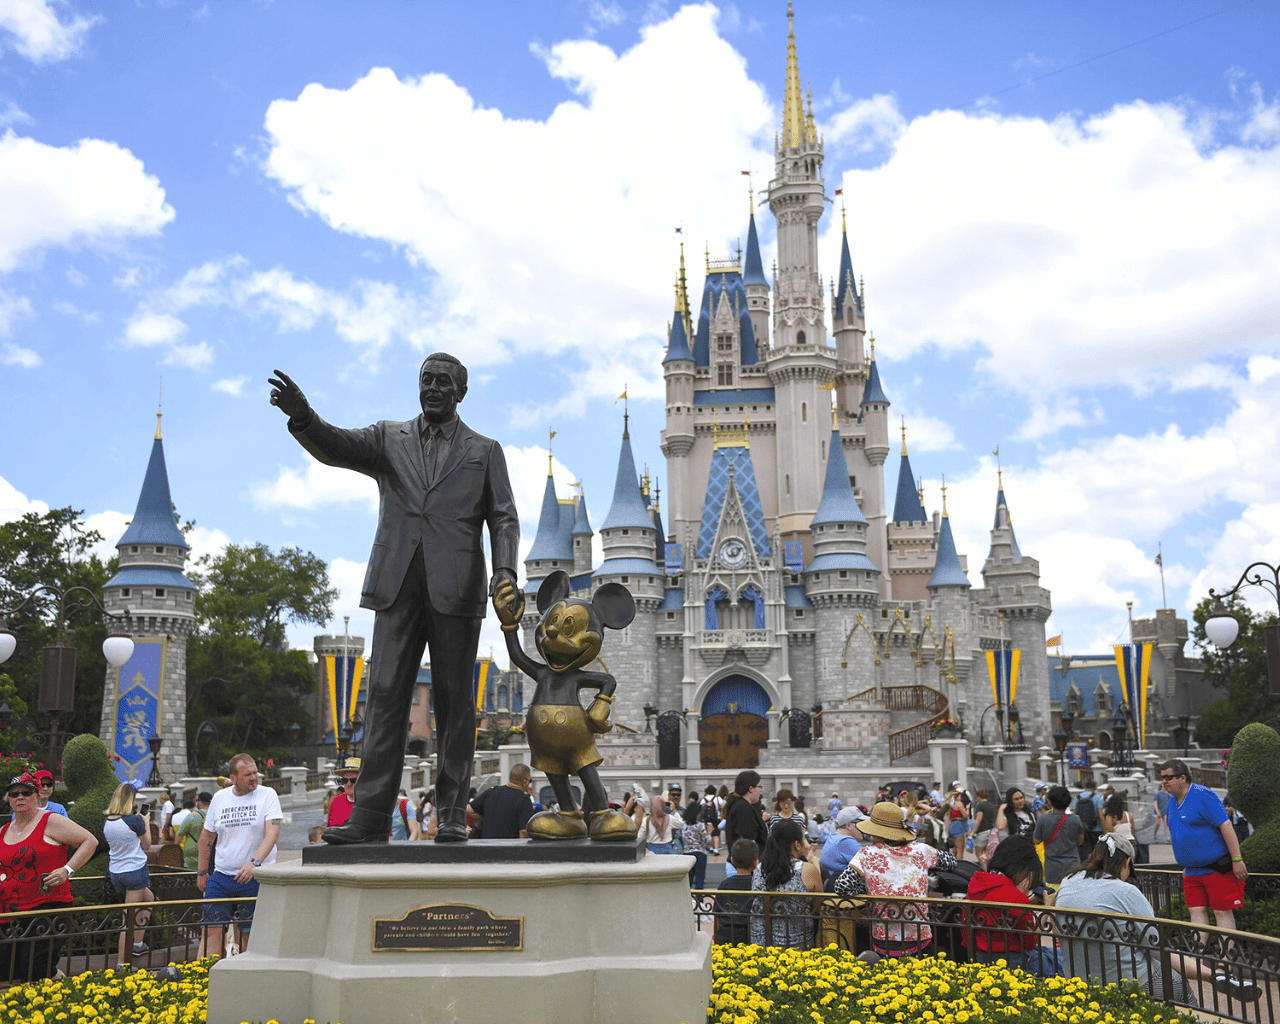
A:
[1253,777]
[87,771]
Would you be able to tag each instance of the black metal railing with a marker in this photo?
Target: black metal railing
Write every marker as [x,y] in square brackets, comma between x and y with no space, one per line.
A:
[36,944]
[1162,886]
[1172,961]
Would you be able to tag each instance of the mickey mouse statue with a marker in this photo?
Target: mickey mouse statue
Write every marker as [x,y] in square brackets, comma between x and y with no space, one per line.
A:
[561,734]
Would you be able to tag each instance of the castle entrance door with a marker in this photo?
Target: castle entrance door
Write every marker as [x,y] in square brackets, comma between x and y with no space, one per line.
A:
[733,728]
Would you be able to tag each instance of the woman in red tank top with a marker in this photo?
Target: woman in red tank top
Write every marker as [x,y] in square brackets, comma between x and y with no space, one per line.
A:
[35,874]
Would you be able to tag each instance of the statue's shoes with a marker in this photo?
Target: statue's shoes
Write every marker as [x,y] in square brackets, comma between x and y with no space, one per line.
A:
[451,832]
[556,825]
[349,835]
[612,825]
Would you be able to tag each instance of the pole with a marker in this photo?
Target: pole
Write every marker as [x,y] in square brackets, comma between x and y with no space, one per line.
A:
[341,717]
[1164,601]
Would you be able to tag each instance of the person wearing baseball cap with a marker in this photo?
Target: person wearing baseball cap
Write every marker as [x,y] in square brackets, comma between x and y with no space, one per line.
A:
[345,799]
[1040,804]
[44,780]
[844,843]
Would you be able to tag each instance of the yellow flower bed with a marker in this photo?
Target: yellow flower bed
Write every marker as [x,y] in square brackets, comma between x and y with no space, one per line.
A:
[105,997]
[765,985]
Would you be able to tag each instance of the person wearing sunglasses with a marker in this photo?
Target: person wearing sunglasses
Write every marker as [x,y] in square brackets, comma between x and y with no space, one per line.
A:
[345,799]
[35,874]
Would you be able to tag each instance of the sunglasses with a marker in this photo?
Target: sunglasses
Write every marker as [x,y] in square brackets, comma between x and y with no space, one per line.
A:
[1169,778]
[19,792]
[348,782]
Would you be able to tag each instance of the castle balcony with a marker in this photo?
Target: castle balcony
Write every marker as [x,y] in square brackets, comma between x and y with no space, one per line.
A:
[753,644]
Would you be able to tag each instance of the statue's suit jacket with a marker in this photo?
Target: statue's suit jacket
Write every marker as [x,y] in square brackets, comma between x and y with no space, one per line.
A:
[445,516]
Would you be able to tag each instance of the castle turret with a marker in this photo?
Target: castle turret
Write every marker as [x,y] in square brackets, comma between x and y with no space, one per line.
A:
[910,535]
[757,287]
[678,369]
[148,694]
[582,534]
[552,547]
[874,410]
[849,327]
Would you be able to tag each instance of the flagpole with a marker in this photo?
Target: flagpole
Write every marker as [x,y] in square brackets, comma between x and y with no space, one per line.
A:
[1164,601]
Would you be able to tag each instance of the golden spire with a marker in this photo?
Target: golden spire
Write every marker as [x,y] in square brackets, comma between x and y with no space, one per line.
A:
[844,223]
[920,490]
[811,132]
[793,122]
[682,302]
[708,255]
[657,497]
[944,495]
[644,482]
[159,404]
[873,347]
[551,437]
[904,437]
[999,471]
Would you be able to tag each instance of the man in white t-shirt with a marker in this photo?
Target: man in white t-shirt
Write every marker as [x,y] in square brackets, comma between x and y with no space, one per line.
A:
[244,820]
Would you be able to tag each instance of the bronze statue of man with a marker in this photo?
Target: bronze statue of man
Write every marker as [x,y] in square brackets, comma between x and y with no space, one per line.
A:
[439,483]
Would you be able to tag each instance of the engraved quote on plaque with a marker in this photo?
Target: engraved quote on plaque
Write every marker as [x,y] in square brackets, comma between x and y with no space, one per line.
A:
[448,927]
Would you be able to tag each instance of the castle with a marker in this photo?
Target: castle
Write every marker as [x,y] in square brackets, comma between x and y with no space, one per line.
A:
[786,618]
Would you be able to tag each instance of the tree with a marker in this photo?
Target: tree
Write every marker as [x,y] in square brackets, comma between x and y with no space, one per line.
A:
[1240,671]
[240,670]
[53,549]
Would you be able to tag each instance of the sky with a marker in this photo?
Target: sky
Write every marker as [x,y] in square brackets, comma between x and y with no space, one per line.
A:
[1067,217]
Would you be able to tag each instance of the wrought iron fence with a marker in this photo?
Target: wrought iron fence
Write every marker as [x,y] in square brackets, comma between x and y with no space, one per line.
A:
[36,944]
[1172,961]
[1162,886]
[316,780]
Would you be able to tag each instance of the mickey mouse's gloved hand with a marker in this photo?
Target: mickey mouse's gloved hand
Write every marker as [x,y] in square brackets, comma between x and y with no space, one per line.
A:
[598,714]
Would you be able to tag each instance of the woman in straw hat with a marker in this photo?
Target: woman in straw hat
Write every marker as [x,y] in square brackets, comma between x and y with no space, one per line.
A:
[895,865]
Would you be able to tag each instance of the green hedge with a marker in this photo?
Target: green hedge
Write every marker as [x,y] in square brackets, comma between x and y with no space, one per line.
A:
[87,771]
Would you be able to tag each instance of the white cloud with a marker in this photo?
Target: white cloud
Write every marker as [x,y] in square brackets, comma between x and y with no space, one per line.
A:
[10,309]
[36,31]
[866,124]
[91,193]
[77,277]
[194,357]
[1051,412]
[315,485]
[14,504]
[526,263]
[231,385]
[16,355]
[11,114]
[111,525]
[146,329]
[1116,249]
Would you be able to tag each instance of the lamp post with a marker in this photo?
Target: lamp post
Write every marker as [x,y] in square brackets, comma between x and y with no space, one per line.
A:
[1184,727]
[982,732]
[1015,718]
[1221,627]
[208,731]
[155,743]
[1120,734]
[650,712]
[1060,740]
[58,663]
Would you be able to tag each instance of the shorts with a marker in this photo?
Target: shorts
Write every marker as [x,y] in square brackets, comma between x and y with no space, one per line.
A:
[980,839]
[225,887]
[130,881]
[958,827]
[1218,890]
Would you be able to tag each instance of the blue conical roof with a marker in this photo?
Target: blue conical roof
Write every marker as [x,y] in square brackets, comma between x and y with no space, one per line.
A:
[946,569]
[846,282]
[152,521]
[1003,522]
[581,524]
[838,504]
[907,507]
[678,342]
[873,392]
[546,542]
[753,270]
[628,508]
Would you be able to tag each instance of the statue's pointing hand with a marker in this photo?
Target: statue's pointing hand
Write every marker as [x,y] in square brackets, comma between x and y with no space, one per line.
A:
[508,602]
[288,398]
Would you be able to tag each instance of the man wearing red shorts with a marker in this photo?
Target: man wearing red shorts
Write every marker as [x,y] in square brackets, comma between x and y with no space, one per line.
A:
[1203,836]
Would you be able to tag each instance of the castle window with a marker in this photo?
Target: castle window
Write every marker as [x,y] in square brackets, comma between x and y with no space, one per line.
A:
[804,412]
[650,579]
[671,616]
[787,482]
[724,342]
[839,526]
[124,591]
[134,549]
[159,591]
[844,574]
[188,595]
[822,450]
[853,481]
[724,373]
[626,533]
[159,550]
[799,613]
[626,579]
[799,337]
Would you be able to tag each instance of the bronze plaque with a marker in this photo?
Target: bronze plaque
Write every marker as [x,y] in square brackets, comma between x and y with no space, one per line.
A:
[448,928]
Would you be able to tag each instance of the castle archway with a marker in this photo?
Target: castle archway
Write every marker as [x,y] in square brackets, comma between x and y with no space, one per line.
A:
[733,728]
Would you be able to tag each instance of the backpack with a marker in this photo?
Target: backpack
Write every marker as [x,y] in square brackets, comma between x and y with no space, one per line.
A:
[1087,811]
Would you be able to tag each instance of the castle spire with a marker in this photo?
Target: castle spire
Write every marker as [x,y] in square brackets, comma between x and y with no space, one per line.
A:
[838,503]
[545,541]
[753,269]
[908,506]
[793,120]
[947,570]
[153,521]
[628,508]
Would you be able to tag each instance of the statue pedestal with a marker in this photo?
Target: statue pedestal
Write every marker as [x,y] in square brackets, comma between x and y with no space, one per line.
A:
[597,940]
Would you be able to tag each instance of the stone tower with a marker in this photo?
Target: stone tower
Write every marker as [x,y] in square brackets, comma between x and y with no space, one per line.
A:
[148,694]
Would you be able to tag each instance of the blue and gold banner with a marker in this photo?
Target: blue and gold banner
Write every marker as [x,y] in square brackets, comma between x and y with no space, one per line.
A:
[1002,670]
[1134,664]
[674,557]
[344,676]
[141,691]
[793,556]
